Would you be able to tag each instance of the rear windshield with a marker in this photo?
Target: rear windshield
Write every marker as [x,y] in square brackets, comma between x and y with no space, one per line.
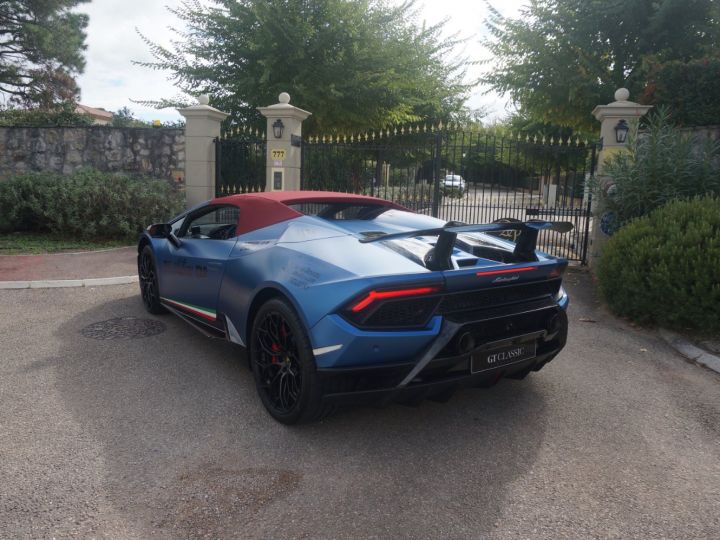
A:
[340,211]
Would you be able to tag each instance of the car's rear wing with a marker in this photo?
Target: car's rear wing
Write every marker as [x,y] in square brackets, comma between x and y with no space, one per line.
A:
[439,257]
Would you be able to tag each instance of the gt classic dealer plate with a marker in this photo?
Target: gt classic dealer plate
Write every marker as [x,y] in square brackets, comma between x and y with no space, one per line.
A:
[496,357]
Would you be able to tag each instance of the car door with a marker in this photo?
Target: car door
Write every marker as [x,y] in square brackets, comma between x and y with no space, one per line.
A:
[193,270]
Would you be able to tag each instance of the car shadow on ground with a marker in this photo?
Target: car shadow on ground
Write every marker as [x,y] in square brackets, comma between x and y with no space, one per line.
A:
[190,452]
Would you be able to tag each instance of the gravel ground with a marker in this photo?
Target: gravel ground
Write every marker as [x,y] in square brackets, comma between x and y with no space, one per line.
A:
[162,436]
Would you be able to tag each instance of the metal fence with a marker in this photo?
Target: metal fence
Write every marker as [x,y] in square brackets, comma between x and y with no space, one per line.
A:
[467,176]
[240,160]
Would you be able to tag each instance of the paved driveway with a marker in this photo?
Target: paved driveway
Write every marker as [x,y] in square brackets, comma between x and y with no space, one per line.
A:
[163,437]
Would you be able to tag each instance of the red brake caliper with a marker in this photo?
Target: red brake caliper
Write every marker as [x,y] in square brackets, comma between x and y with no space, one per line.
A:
[275,348]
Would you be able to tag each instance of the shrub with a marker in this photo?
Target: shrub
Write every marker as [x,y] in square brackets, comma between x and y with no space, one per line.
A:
[63,115]
[664,268]
[661,164]
[89,204]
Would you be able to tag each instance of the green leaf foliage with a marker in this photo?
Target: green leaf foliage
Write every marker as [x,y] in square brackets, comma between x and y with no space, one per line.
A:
[355,64]
[42,44]
[86,205]
[60,115]
[664,268]
[561,58]
[661,164]
[689,89]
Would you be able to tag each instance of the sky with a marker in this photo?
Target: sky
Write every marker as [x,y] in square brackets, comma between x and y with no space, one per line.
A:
[111,81]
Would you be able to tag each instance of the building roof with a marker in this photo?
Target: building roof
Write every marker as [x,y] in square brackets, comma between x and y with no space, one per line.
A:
[95,112]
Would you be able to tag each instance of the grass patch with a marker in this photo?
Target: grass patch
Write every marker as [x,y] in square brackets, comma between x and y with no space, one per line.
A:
[21,243]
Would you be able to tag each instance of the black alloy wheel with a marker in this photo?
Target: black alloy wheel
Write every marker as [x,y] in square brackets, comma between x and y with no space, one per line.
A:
[283,365]
[147,275]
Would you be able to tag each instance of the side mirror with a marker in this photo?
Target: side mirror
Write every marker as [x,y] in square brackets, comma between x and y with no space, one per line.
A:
[164,230]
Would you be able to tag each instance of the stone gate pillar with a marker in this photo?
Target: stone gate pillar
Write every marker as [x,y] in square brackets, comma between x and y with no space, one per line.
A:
[202,126]
[617,120]
[284,144]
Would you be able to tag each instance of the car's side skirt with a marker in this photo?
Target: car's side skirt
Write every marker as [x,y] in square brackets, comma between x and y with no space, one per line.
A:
[205,328]
[196,311]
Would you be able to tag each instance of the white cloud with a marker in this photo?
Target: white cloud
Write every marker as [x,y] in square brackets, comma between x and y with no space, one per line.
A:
[111,80]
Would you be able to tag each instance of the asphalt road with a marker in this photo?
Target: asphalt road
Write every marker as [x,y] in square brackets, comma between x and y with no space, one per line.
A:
[163,437]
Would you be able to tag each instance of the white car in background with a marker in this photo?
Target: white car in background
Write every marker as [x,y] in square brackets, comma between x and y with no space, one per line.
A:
[454,183]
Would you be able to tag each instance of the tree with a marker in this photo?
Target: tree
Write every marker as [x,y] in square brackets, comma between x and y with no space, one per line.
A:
[561,58]
[41,50]
[355,64]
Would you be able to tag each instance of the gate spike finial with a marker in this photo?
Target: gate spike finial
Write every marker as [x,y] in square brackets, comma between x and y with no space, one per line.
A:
[440,125]
[372,135]
[552,140]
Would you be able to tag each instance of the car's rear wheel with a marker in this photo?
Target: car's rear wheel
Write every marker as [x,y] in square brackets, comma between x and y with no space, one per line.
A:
[147,276]
[284,366]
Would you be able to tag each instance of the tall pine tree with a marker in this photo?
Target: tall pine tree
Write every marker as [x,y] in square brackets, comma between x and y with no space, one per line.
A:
[42,44]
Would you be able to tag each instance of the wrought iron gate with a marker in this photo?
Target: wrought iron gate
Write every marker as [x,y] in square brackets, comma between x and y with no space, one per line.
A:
[240,162]
[468,176]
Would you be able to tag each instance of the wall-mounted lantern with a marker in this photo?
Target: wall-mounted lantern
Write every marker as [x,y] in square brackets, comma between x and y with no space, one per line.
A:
[278,128]
[621,131]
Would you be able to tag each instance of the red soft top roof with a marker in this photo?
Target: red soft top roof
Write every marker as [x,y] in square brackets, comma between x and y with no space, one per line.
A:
[263,209]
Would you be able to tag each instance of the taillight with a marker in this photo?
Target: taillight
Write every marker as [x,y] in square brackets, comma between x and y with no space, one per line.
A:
[374,296]
[394,308]
[557,272]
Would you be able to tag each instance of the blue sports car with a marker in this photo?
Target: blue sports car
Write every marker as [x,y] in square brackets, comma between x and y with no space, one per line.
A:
[343,298]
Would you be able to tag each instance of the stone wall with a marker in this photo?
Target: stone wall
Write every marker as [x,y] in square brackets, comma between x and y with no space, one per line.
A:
[157,152]
[704,132]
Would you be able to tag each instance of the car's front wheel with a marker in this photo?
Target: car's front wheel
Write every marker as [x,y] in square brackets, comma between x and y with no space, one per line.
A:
[284,366]
[147,276]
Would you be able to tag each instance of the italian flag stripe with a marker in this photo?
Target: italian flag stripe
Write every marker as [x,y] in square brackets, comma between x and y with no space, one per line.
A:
[205,313]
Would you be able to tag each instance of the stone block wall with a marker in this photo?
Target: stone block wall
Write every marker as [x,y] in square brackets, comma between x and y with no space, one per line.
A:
[704,132]
[157,152]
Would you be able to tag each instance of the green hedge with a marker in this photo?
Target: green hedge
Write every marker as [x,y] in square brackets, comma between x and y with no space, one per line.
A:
[88,204]
[664,268]
[690,89]
[63,115]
